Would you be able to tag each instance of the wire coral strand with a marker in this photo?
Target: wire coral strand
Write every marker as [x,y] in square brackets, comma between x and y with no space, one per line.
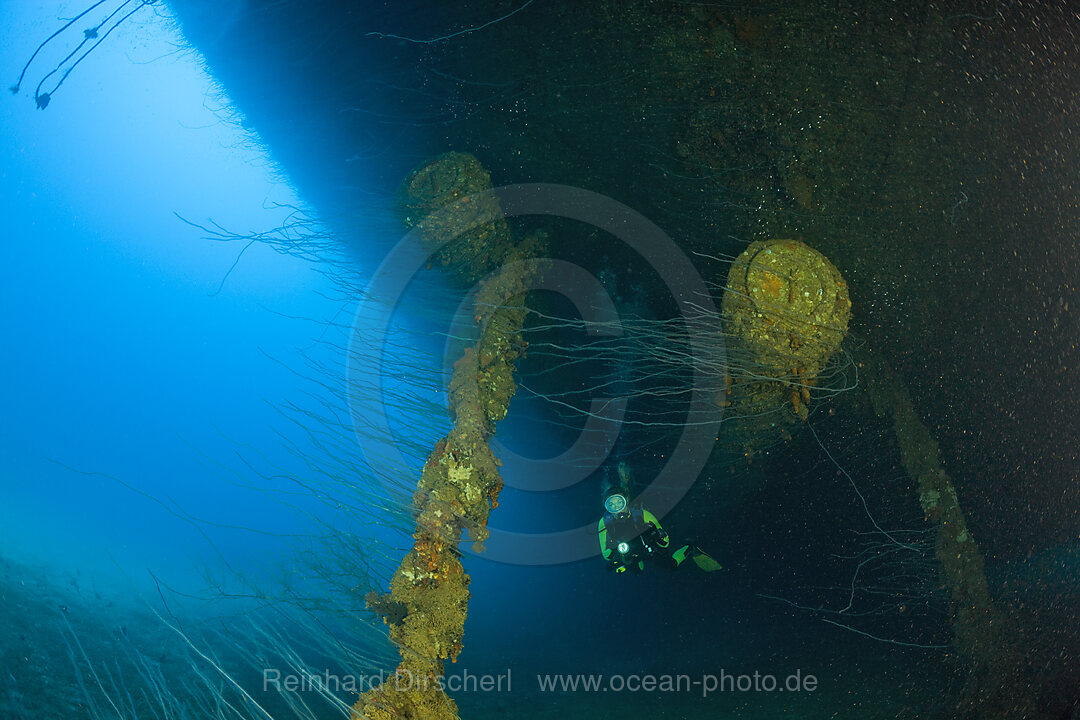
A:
[18,83]
[43,98]
[466,31]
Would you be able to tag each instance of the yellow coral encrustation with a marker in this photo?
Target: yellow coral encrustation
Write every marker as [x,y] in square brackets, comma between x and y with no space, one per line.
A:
[446,200]
[786,311]
[788,303]
[460,482]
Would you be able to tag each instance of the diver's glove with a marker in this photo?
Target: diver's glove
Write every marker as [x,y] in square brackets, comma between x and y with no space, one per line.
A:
[654,539]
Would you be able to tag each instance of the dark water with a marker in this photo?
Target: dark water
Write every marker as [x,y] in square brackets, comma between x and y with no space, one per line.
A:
[205,473]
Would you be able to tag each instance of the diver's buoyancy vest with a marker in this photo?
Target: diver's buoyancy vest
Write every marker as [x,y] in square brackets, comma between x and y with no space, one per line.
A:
[620,529]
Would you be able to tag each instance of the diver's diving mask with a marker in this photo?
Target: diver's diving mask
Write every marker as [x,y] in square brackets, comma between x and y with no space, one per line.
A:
[615,503]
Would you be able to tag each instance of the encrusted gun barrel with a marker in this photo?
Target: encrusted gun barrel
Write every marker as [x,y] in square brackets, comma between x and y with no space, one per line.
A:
[786,311]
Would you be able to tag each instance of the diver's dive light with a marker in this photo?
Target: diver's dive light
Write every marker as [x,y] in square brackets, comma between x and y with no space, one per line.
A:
[624,547]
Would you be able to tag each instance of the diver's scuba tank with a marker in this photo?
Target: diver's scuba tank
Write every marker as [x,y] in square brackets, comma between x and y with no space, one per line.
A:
[617,481]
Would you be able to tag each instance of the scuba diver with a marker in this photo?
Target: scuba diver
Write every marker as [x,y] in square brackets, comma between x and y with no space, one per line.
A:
[631,535]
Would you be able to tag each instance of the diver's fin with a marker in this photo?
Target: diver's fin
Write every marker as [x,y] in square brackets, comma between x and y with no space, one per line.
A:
[705,562]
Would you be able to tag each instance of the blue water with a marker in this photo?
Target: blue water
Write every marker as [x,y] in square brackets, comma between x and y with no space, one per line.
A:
[146,447]
[128,347]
